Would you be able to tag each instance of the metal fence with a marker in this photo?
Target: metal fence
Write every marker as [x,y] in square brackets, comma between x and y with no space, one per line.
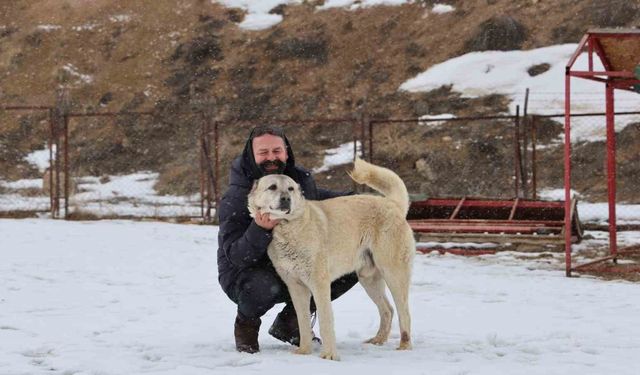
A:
[589,163]
[101,164]
[471,156]
[21,184]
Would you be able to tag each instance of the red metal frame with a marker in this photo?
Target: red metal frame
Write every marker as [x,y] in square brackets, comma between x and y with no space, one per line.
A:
[614,79]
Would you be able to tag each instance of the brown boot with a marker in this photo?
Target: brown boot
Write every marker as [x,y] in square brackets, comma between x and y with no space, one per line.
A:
[246,334]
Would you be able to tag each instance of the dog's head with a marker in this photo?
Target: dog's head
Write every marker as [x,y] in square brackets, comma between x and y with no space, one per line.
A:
[278,195]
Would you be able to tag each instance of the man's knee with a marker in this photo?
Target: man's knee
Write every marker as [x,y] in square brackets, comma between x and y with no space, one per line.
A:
[259,290]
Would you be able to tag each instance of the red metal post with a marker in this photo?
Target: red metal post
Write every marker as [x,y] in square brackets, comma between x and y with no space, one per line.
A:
[611,170]
[567,171]
[590,55]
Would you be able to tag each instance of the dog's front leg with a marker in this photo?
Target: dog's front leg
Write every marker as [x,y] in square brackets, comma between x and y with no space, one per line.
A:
[322,297]
[301,297]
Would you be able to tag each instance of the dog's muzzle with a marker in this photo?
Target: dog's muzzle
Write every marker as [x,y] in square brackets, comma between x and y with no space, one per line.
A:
[285,203]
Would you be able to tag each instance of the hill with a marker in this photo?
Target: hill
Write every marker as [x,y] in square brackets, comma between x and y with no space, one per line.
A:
[172,57]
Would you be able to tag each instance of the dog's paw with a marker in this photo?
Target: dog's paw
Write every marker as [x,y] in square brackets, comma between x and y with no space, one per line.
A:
[404,345]
[302,351]
[330,355]
[376,341]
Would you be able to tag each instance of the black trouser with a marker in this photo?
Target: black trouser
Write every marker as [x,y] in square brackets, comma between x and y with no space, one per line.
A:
[258,289]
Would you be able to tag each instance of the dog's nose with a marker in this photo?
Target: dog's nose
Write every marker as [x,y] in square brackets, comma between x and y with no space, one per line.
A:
[285,202]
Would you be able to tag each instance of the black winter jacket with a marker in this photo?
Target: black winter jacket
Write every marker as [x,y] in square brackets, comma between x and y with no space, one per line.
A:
[241,242]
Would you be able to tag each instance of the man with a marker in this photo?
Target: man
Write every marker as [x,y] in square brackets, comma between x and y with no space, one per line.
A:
[244,269]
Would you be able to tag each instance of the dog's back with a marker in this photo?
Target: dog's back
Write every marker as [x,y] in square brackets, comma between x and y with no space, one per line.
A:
[382,180]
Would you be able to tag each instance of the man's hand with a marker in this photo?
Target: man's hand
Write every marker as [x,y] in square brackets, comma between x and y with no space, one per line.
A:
[264,221]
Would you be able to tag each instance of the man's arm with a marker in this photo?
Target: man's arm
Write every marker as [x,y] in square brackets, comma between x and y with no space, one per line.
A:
[243,241]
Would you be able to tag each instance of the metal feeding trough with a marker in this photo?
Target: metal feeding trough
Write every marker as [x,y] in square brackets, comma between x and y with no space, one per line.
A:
[515,222]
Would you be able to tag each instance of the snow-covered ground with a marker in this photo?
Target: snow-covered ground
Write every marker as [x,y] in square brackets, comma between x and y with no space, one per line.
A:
[120,297]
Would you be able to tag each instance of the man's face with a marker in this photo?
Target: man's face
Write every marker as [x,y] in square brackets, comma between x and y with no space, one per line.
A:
[270,153]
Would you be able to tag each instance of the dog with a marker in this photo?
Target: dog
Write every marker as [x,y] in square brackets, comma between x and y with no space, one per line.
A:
[317,242]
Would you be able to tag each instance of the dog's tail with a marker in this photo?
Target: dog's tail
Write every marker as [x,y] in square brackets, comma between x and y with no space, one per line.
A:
[383,180]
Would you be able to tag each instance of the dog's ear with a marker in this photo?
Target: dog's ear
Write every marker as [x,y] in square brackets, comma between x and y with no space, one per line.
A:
[251,200]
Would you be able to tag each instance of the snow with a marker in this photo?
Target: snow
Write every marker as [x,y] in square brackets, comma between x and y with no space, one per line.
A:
[259,21]
[340,155]
[40,158]
[121,297]
[442,8]
[86,27]
[259,18]
[429,119]
[596,212]
[81,78]
[120,18]
[27,183]
[48,28]
[112,195]
[498,72]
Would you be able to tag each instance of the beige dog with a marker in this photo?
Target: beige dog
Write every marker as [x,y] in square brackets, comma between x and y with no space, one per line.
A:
[318,241]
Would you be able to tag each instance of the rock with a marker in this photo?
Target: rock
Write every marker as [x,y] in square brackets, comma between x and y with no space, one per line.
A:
[501,33]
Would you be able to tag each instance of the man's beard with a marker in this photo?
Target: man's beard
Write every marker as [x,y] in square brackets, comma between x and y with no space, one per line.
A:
[267,167]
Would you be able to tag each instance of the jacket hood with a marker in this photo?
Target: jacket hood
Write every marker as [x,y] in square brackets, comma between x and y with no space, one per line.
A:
[247,167]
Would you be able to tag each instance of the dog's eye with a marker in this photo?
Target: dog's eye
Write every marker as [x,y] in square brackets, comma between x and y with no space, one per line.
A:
[273,187]
[290,188]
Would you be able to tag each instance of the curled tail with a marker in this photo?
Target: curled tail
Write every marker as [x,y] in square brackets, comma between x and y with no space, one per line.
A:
[383,180]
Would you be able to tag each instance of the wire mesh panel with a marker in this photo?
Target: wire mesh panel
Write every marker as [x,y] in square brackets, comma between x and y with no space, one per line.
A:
[24,159]
[133,165]
[589,164]
[324,147]
[444,158]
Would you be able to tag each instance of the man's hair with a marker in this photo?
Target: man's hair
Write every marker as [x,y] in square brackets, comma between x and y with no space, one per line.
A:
[267,129]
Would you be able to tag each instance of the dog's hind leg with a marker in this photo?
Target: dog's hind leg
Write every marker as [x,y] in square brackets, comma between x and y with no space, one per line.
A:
[396,272]
[398,284]
[301,298]
[374,285]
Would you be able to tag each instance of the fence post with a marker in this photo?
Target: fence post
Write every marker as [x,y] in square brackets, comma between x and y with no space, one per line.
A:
[534,169]
[66,166]
[51,161]
[525,142]
[202,168]
[61,112]
[517,160]
[370,126]
[362,136]
[210,175]
[216,148]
